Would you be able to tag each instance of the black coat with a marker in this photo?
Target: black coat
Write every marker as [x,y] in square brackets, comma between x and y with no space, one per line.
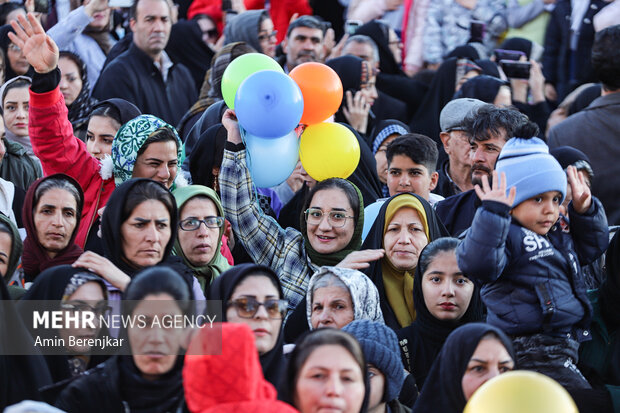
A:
[457,212]
[134,77]
[557,55]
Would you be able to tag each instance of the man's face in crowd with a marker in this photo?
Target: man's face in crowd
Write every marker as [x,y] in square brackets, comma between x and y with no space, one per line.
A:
[484,155]
[362,50]
[303,45]
[151,26]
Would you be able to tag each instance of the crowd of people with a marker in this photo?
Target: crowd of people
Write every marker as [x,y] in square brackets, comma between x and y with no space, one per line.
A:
[476,236]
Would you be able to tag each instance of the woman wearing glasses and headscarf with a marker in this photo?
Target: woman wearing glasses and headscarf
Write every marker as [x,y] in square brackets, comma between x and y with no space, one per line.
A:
[251,294]
[198,245]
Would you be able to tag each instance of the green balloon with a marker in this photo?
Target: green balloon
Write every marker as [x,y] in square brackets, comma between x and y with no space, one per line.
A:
[242,67]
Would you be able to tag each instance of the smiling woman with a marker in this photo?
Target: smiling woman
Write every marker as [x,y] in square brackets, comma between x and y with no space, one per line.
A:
[51,215]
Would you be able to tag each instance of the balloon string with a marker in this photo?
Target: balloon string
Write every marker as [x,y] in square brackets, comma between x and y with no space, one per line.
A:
[248,161]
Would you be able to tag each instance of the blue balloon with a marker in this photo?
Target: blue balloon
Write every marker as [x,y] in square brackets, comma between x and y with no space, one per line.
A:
[271,161]
[269,104]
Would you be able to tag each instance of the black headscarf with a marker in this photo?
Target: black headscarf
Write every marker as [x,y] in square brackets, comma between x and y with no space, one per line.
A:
[584,99]
[53,284]
[186,46]
[488,67]
[483,87]
[112,221]
[21,377]
[9,73]
[518,43]
[80,108]
[125,110]
[426,335]
[207,154]
[465,51]
[380,34]
[222,288]
[374,240]
[211,116]
[365,175]
[441,91]
[443,392]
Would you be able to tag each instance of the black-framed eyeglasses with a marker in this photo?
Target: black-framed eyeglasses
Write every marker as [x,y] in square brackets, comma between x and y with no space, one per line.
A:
[192,224]
[101,309]
[337,219]
[247,307]
[212,33]
[266,36]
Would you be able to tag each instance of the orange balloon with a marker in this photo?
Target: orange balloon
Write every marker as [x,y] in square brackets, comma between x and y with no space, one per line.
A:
[322,91]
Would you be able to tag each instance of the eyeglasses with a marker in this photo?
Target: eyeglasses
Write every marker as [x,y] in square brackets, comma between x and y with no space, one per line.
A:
[266,36]
[247,307]
[314,216]
[14,47]
[99,309]
[192,224]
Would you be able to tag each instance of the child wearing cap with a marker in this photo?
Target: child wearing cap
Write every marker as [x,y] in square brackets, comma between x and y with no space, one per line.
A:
[529,261]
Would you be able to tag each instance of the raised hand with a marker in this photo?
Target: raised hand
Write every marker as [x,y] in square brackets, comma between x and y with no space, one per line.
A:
[358,260]
[582,196]
[38,48]
[356,111]
[230,123]
[497,192]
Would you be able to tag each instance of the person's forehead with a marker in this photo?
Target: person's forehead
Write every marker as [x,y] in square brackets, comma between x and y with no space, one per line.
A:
[157,8]
[306,31]
[361,50]
[402,161]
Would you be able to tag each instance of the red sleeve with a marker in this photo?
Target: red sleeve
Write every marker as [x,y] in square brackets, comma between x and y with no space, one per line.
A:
[51,135]
[282,11]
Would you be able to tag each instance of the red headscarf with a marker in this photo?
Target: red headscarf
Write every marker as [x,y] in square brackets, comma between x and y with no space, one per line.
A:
[35,258]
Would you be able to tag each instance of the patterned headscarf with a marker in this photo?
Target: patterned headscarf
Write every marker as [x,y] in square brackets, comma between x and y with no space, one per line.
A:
[78,280]
[364,294]
[130,138]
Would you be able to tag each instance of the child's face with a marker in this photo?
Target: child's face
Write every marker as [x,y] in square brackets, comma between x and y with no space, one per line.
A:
[404,175]
[539,213]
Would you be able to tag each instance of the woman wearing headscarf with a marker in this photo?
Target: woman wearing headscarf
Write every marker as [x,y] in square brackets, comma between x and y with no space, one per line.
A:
[255,28]
[248,392]
[21,376]
[447,80]
[391,79]
[15,102]
[488,89]
[406,223]
[454,375]
[11,248]
[138,230]
[201,247]
[451,296]
[75,89]
[51,215]
[210,94]
[358,82]
[86,31]
[16,64]
[531,49]
[69,287]
[138,380]
[53,138]
[251,294]
[187,47]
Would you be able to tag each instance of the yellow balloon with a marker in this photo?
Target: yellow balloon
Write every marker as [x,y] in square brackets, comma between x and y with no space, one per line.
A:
[329,150]
[521,392]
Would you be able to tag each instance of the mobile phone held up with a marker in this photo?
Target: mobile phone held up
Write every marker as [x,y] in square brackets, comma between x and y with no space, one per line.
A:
[351,26]
[501,54]
[477,30]
[41,6]
[516,70]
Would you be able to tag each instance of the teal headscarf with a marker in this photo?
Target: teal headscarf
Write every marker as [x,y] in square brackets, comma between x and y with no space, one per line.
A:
[130,138]
[218,264]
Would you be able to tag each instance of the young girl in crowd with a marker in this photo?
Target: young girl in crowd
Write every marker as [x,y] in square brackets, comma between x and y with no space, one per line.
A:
[444,299]
[533,285]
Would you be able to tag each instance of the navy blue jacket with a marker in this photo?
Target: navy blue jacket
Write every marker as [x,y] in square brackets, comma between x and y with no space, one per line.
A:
[533,283]
[457,212]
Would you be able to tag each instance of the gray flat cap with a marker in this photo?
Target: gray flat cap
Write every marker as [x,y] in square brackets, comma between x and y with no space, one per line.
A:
[454,113]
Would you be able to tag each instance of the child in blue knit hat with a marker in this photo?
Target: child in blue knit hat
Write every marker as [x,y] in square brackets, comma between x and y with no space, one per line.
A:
[529,261]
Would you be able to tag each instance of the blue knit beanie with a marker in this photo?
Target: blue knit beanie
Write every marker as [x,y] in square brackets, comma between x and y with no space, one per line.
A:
[380,346]
[530,168]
